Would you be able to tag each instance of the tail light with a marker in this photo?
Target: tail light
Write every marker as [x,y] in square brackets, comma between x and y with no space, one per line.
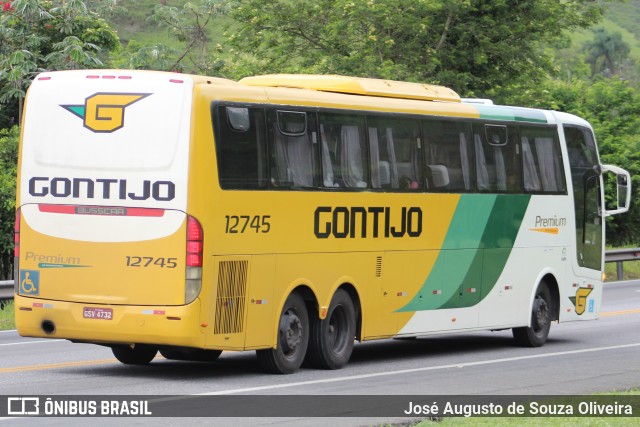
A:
[195,246]
[16,252]
[195,240]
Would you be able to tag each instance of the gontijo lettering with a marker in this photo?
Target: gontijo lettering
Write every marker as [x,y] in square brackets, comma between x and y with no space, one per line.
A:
[41,186]
[351,222]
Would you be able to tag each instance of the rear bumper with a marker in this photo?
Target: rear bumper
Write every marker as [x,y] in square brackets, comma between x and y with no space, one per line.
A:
[158,325]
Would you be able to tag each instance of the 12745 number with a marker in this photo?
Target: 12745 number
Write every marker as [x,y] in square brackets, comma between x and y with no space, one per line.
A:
[244,223]
[149,261]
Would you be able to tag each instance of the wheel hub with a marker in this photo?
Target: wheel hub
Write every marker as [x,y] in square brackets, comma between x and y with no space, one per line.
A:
[541,314]
[290,332]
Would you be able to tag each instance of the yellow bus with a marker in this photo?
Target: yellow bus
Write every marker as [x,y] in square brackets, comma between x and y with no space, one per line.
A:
[295,214]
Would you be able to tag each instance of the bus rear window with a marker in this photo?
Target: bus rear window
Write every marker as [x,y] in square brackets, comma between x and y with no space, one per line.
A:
[241,148]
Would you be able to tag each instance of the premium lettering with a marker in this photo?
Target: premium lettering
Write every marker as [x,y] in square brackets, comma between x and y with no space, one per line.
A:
[51,259]
[550,222]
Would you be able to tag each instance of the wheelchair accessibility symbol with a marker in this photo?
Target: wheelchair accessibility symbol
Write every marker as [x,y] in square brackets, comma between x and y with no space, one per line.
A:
[29,282]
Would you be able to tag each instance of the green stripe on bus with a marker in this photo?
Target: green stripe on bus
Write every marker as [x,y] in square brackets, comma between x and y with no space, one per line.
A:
[511,114]
[497,242]
[458,252]
[477,246]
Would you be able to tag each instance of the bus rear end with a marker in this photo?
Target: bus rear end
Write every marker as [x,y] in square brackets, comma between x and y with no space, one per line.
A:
[105,251]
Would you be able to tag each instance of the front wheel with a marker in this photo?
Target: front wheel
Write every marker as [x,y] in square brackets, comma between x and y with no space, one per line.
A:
[293,339]
[332,339]
[137,354]
[541,315]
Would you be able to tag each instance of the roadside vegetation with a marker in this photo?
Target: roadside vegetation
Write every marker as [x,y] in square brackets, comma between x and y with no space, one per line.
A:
[532,422]
[7,319]
[631,271]
[606,421]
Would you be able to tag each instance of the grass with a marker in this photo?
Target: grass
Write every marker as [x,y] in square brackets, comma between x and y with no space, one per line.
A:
[559,421]
[135,25]
[626,15]
[533,422]
[7,320]
[579,38]
[630,269]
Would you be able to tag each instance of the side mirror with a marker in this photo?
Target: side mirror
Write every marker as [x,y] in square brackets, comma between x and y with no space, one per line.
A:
[623,189]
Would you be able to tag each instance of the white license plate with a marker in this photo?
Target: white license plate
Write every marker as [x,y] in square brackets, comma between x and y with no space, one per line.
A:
[97,313]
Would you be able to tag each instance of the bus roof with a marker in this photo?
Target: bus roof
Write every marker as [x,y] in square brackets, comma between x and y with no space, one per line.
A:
[356,86]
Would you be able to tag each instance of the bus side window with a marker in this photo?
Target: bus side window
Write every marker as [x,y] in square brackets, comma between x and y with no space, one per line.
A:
[497,158]
[293,149]
[542,160]
[394,148]
[240,147]
[343,141]
[447,156]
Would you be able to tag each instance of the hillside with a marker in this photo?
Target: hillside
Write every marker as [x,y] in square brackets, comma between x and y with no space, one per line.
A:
[623,18]
[135,24]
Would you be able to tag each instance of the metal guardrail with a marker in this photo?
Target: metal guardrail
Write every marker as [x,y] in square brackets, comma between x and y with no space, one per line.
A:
[6,289]
[619,256]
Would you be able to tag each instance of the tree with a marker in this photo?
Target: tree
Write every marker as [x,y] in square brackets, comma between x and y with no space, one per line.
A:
[189,26]
[606,52]
[8,166]
[469,45]
[612,106]
[40,35]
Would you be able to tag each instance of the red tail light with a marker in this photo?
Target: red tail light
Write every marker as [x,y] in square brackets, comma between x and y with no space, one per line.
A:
[195,242]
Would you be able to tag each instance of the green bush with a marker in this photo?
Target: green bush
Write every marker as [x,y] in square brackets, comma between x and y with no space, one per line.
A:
[8,168]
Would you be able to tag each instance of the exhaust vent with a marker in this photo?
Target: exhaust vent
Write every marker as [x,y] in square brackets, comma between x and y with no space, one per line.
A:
[378,266]
[230,302]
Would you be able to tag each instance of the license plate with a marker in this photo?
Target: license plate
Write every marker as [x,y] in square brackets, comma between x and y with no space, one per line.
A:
[97,313]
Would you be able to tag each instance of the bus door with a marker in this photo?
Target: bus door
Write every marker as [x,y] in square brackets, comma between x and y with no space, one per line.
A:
[586,175]
[587,193]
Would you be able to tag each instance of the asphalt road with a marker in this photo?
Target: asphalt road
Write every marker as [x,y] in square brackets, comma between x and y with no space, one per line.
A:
[579,358]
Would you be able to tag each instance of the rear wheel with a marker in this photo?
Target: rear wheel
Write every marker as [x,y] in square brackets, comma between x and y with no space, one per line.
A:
[293,339]
[191,355]
[541,315]
[331,341]
[137,354]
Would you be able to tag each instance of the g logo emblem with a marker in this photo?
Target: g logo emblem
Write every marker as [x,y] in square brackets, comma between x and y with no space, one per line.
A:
[580,300]
[104,112]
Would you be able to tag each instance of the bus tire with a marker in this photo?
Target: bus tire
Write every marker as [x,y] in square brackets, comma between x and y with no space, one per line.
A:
[193,355]
[139,354]
[331,340]
[293,339]
[541,315]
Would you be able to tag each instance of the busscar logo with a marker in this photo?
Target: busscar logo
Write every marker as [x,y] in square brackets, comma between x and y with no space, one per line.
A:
[104,112]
